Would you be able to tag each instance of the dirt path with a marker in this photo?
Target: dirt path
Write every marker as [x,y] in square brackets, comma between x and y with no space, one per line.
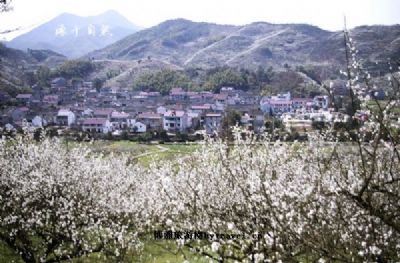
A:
[161,150]
[255,45]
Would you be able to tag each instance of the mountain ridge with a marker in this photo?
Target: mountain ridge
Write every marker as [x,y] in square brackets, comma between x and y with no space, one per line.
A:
[189,44]
[63,32]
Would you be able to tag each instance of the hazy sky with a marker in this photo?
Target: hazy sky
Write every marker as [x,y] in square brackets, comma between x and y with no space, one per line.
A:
[325,14]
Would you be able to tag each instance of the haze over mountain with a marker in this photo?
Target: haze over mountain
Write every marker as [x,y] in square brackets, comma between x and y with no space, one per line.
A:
[74,36]
[189,44]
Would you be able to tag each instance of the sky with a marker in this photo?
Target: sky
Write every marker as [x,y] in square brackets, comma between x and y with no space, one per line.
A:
[328,15]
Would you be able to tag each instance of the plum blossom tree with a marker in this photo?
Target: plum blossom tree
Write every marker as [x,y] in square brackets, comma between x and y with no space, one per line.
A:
[58,203]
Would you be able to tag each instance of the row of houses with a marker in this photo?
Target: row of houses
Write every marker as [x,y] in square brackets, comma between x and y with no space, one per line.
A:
[284,102]
[79,105]
[105,120]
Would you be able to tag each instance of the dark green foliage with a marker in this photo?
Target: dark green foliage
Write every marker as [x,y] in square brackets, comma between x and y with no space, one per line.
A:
[318,125]
[98,83]
[163,81]
[212,79]
[75,68]
[182,137]
[226,77]
[113,73]
[146,137]
[13,91]
[43,75]
[311,73]
[231,119]
[163,136]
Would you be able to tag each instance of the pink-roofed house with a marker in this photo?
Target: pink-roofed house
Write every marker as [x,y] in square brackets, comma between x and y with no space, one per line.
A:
[119,120]
[97,125]
[65,117]
[201,108]
[175,120]
[221,98]
[103,113]
[51,100]
[24,98]
[152,120]
[177,94]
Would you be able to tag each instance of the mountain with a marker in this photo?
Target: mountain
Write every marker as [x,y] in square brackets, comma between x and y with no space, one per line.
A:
[17,67]
[74,36]
[190,44]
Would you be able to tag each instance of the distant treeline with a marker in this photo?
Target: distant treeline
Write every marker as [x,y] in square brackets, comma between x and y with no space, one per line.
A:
[263,80]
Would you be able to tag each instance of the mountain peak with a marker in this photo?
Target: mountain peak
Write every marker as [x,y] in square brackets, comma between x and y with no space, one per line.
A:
[111,12]
[62,33]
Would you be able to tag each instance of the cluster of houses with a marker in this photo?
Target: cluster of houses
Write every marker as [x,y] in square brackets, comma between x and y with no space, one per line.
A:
[300,113]
[79,106]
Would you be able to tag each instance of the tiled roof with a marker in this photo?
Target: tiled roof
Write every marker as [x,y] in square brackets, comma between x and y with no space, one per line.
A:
[149,115]
[95,121]
[174,113]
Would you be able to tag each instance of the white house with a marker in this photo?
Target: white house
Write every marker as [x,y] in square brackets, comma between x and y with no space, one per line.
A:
[98,125]
[38,122]
[119,120]
[65,117]
[136,126]
[276,104]
[175,120]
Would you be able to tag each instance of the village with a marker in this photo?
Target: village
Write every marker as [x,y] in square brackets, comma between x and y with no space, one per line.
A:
[78,106]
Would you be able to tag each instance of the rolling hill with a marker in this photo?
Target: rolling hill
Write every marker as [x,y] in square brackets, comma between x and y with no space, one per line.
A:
[17,66]
[192,44]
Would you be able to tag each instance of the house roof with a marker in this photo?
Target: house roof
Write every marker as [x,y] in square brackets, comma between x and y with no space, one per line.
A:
[174,113]
[24,96]
[22,109]
[103,111]
[95,121]
[150,93]
[64,112]
[120,115]
[213,115]
[302,99]
[50,97]
[222,96]
[149,115]
[274,102]
[201,107]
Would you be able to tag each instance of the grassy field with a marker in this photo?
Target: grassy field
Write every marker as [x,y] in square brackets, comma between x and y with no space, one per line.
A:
[153,252]
[143,153]
[382,103]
